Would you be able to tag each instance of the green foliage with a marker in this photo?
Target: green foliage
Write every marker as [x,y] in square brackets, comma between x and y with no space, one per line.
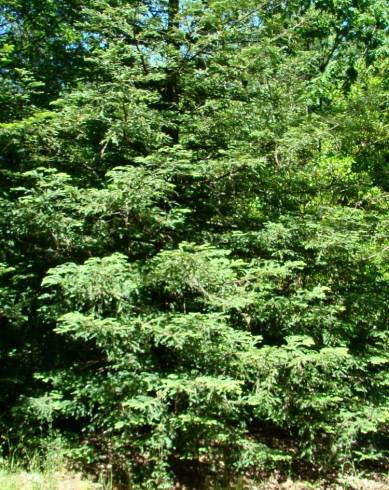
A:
[193,228]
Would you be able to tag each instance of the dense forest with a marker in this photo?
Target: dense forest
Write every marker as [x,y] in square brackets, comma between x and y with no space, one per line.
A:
[194,236]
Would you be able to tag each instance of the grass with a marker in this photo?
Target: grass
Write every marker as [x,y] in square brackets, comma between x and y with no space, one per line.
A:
[52,473]
[44,481]
[31,471]
[63,480]
[343,483]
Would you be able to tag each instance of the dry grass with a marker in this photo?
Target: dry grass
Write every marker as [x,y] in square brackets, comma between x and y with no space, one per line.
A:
[64,480]
[45,481]
[345,483]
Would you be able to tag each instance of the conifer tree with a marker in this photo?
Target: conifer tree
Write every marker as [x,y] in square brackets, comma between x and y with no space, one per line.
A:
[193,234]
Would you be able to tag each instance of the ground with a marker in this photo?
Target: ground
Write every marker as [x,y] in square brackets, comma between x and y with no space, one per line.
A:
[67,481]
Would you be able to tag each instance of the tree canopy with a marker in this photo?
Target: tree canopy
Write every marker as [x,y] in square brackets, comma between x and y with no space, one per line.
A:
[194,234]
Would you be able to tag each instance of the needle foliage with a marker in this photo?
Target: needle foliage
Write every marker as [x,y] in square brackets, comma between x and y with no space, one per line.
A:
[193,228]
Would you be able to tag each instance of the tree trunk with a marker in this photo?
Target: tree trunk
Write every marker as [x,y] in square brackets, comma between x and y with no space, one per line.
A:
[172,94]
